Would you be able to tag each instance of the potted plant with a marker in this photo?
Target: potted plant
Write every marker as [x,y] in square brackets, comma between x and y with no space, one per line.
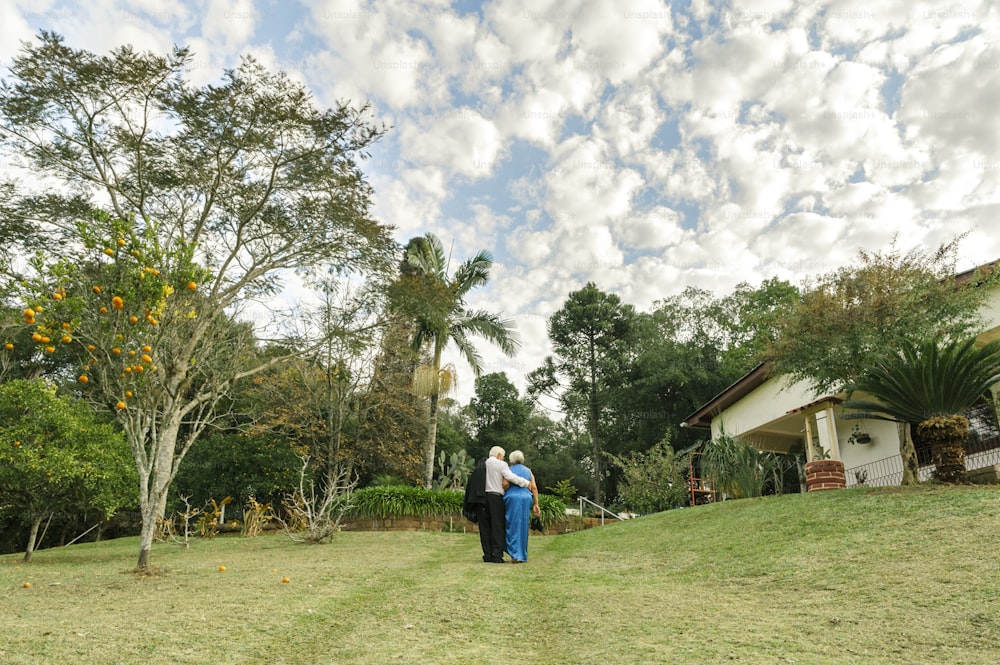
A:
[859,436]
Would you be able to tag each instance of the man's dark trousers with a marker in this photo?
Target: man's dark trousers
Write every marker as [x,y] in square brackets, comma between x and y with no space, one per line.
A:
[493,528]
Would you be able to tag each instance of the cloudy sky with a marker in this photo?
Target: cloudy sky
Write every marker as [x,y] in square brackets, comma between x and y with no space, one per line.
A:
[645,146]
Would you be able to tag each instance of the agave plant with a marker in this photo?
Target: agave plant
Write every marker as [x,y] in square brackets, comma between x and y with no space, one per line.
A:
[929,386]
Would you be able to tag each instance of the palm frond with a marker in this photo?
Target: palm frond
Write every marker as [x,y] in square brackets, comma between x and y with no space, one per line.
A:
[928,380]
[491,327]
[472,273]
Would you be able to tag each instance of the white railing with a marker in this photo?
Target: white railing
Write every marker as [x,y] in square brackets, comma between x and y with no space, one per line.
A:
[603,510]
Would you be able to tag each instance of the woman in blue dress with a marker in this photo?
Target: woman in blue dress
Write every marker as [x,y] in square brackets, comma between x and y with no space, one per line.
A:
[519,504]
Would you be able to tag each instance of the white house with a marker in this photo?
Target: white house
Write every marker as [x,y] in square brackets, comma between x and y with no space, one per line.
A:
[772,414]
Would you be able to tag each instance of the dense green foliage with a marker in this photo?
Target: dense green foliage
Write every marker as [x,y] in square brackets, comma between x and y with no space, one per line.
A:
[652,481]
[57,458]
[738,470]
[383,502]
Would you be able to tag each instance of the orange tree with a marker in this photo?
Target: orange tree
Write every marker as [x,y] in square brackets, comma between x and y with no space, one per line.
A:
[213,194]
[57,457]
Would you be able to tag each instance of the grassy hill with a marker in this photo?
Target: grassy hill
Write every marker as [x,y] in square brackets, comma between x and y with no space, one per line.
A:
[854,576]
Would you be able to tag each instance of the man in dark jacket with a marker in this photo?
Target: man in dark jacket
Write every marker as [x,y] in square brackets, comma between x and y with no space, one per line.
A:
[474,506]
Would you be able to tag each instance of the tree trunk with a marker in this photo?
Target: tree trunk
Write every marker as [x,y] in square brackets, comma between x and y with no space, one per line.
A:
[595,414]
[153,493]
[32,535]
[430,443]
[946,436]
[908,455]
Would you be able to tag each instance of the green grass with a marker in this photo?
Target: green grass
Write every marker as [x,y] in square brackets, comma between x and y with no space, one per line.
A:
[855,576]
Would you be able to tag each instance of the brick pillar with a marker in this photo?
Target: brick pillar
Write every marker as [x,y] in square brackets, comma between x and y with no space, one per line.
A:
[825,474]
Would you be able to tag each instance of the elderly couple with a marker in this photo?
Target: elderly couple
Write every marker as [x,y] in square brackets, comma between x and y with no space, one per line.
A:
[501,499]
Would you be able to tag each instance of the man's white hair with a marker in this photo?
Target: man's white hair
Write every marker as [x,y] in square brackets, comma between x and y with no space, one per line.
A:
[497,450]
[517,457]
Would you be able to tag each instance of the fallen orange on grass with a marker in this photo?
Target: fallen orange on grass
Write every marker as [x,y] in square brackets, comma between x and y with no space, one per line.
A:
[222,569]
[285,580]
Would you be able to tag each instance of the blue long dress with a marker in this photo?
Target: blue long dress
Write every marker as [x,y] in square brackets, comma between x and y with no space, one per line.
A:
[517,504]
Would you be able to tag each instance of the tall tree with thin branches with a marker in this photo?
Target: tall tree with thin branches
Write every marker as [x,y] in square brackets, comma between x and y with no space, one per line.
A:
[211,196]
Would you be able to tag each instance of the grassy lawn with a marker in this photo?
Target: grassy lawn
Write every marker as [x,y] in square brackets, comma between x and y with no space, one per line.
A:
[855,576]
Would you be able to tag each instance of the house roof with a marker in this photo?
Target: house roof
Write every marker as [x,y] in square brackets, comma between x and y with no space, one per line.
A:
[702,418]
[734,393]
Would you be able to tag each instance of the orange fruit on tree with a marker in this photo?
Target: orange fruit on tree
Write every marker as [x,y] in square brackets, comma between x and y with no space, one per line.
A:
[8,346]
[67,325]
[96,289]
[109,251]
[133,319]
[146,359]
[29,313]
[128,393]
[45,340]
[57,296]
[147,348]
[103,310]
[117,302]
[131,353]
[83,378]
[120,405]
[116,350]
[91,347]
[36,337]
[66,339]
[121,242]
[192,286]
[50,349]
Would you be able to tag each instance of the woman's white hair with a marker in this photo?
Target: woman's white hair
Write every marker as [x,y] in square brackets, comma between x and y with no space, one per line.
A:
[517,457]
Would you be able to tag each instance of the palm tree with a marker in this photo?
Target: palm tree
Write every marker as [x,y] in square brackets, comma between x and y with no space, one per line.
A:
[930,386]
[442,317]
